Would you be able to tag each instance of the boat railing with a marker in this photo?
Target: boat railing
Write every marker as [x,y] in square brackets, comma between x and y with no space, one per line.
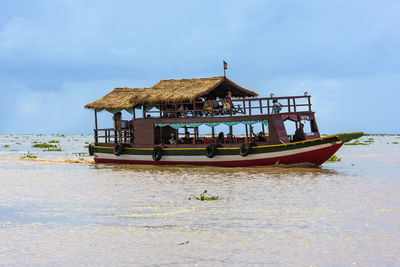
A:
[113,135]
[232,107]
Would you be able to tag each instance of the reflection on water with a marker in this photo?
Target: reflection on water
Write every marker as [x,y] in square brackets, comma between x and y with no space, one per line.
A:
[345,213]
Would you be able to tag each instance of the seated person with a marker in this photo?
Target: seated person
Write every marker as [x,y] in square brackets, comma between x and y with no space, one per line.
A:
[186,139]
[207,107]
[172,139]
[276,106]
[299,134]
[260,137]
[220,139]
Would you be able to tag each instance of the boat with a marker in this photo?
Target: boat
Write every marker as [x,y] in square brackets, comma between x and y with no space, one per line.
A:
[175,122]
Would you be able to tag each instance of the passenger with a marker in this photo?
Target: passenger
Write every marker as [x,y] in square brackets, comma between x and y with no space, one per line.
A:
[117,121]
[186,139]
[181,111]
[260,137]
[276,106]
[220,139]
[172,139]
[299,134]
[208,108]
[227,104]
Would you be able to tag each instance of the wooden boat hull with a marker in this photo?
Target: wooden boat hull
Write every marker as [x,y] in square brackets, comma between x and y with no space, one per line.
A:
[313,152]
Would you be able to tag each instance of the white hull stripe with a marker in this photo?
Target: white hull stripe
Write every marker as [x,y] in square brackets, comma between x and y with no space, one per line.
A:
[216,158]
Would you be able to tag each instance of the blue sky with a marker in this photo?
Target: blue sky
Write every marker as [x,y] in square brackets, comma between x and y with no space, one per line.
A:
[56,56]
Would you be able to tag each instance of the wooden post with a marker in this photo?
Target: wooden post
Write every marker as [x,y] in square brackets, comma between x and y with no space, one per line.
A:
[144,111]
[288,102]
[309,103]
[268,106]
[249,107]
[261,107]
[212,134]
[244,107]
[247,132]
[263,128]
[95,125]
[294,104]
[230,134]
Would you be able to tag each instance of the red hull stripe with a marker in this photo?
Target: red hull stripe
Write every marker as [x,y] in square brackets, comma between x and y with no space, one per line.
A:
[315,157]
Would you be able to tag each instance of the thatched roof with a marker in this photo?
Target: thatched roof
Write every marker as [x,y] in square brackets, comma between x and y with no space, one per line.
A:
[169,91]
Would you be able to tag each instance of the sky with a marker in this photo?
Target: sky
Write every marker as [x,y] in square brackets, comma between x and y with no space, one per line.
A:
[58,55]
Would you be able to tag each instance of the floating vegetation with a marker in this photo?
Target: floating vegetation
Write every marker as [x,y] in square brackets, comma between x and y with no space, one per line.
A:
[334,158]
[395,143]
[60,135]
[6,146]
[44,145]
[54,142]
[28,155]
[18,143]
[369,140]
[53,149]
[86,146]
[202,197]
[356,143]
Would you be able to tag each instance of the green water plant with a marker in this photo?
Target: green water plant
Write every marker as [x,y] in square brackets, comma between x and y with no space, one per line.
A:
[54,142]
[6,146]
[334,158]
[28,155]
[356,143]
[44,145]
[53,149]
[395,143]
[202,197]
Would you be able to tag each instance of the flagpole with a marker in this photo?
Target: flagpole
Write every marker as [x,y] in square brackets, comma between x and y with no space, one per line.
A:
[223,65]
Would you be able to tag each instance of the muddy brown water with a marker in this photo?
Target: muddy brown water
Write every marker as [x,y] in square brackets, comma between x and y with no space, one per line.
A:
[54,211]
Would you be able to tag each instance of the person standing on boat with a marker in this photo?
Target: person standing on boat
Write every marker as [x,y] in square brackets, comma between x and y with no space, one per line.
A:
[117,125]
[299,134]
[276,106]
[227,104]
[117,121]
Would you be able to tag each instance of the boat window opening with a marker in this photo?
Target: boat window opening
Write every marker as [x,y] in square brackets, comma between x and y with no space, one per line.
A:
[307,126]
[291,127]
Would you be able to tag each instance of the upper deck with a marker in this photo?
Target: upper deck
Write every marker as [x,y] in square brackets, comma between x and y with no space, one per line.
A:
[228,107]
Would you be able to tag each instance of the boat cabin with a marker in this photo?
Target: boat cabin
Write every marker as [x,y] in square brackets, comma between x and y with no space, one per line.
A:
[173,108]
